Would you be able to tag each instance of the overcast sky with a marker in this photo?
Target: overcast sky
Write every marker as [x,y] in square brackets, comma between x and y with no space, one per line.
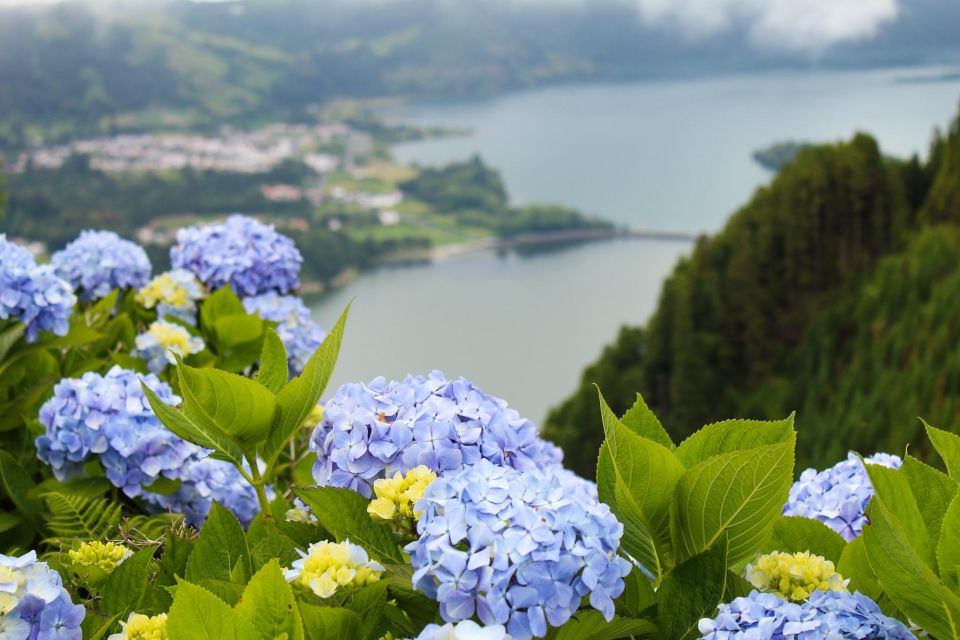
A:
[809,25]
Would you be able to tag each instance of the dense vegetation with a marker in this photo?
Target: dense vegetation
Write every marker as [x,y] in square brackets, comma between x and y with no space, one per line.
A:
[793,305]
[71,68]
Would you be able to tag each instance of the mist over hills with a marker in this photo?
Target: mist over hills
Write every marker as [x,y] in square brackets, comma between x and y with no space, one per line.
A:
[76,68]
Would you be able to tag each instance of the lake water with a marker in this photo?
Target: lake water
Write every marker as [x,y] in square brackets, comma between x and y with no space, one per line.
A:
[658,155]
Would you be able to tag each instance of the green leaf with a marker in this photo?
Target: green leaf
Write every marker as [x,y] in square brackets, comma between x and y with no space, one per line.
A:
[793,534]
[590,625]
[238,407]
[343,513]
[220,547]
[948,549]
[948,446]
[96,625]
[692,591]
[855,566]
[274,370]
[185,427]
[637,477]
[933,491]
[370,603]
[732,435]
[893,488]
[17,484]
[300,396]
[197,614]
[642,421]
[239,340]
[125,587]
[637,594]
[329,623]
[740,493]
[221,303]
[10,337]
[908,581]
[173,565]
[268,601]
[79,517]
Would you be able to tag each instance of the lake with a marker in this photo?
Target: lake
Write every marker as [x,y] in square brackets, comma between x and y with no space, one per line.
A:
[670,156]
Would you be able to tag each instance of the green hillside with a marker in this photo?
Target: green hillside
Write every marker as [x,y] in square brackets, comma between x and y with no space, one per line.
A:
[829,291]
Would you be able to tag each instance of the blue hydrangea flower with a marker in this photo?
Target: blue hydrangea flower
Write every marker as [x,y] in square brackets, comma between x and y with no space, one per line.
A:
[825,614]
[98,262]
[32,294]
[33,602]
[371,431]
[517,548]
[300,335]
[173,293]
[838,496]
[466,630]
[162,342]
[247,254]
[108,416]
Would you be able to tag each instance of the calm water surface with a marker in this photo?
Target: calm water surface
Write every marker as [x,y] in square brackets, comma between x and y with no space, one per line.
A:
[664,155]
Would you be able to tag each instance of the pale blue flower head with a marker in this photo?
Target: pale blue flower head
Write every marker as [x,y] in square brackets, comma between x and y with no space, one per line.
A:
[33,602]
[371,431]
[465,630]
[838,496]
[205,480]
[300,335]
[33,294]
[516,548]
[98,262]
[826,614]
[243,252]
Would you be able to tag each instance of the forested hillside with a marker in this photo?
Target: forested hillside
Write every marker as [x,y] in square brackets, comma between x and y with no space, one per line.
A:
[829,293]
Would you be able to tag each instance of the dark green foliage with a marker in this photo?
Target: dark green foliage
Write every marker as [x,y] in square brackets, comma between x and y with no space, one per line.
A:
[459,187]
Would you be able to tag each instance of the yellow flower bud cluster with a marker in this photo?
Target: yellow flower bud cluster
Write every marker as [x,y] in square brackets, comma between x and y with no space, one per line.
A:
[104,555]
[163,288]
[396,496]
[794,576]
[141,627]
[328,566]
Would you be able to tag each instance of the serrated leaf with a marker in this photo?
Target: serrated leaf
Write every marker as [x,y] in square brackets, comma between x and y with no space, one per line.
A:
[220,547]
[642,421]
[948,549]
[739,493]
[732,435]
[173,565]
[197,614]
[691,592]
[124,588]
[343,513]
[948,446]
[893,488]
[794,534]
[268,601]
[590,625]
[855,566]
[933,491]
[296,400]
[17,484]
[329,623]
[95,625]
[369,603]
[185,427]
[636,477]
[905,578]
[239,407]
[79,517]
[219,304]
[274,370]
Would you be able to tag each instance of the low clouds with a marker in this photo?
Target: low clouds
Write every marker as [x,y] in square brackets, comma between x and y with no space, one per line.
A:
[798,25]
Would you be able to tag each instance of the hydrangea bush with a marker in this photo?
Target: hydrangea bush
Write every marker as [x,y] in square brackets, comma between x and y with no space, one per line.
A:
[170,470]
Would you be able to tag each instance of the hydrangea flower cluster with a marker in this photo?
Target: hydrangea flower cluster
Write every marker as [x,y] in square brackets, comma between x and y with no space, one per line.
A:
[300,335]
[243,252]
[141,627]
[826,614]
[838,496]
[106,556]
[466,630]
[32,294]
[162,342]
[33,602]
[327,567]
[98,262]
[374,430]
[397,496]
[516,548]
[108,416]
[173,293]
[794,576]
